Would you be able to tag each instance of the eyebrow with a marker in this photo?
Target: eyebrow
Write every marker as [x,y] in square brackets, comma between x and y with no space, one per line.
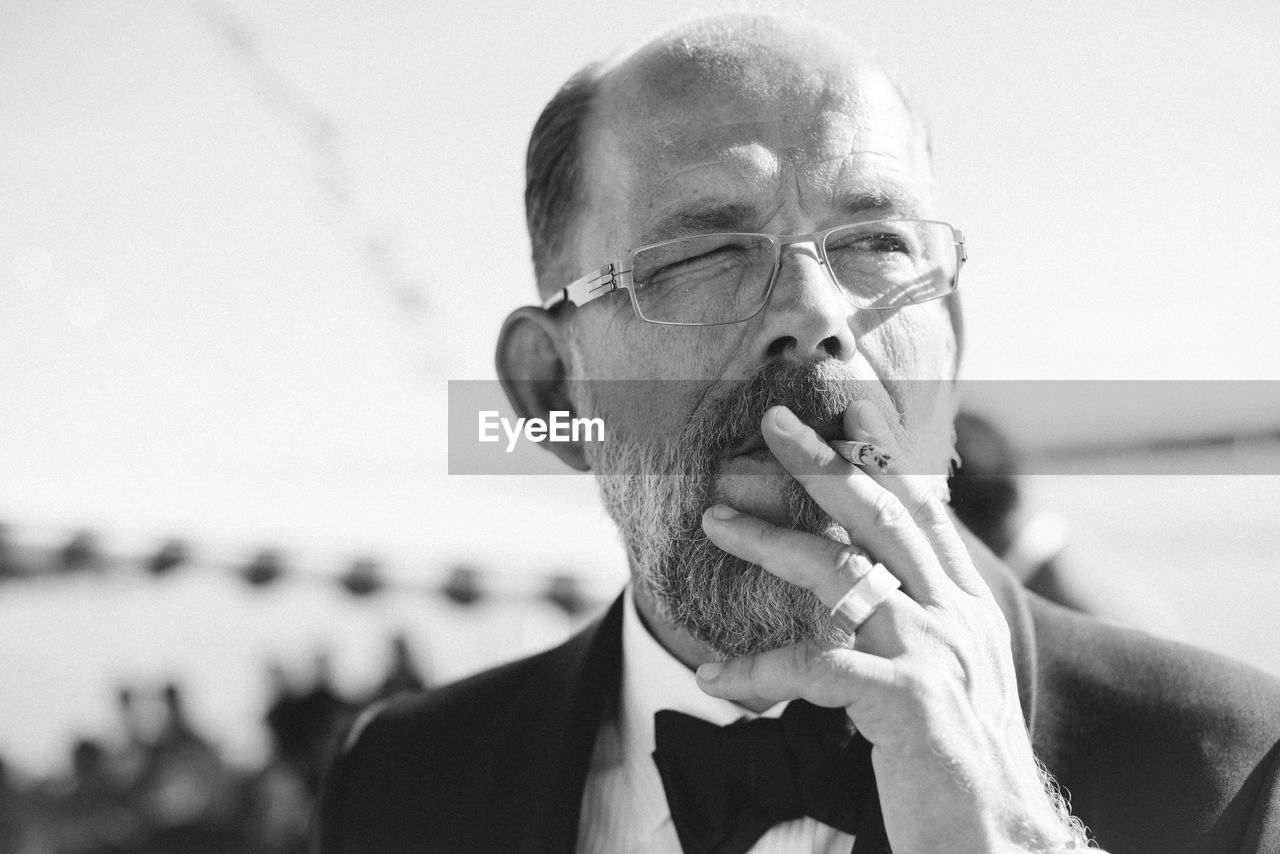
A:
[881,199]
[706,219]
[736,216]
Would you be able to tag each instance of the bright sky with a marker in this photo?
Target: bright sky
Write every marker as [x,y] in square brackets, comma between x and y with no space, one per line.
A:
[244,246]
[207,210]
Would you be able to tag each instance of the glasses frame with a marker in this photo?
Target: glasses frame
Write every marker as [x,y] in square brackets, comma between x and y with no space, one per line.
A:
[616,275]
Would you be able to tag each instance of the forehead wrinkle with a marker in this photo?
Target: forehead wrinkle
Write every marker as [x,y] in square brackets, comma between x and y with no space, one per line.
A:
[821,150]
[873,179]
[710,134]
[730,160]
[739,174]
[752,158]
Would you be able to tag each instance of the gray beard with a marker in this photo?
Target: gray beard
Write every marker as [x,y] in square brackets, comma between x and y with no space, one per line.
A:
[729,604]
[725,602]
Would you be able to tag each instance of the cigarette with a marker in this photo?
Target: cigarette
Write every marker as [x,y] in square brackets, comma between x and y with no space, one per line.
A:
[862,453]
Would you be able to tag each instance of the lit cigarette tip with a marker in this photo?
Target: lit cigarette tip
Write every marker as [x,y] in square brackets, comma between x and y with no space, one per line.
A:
[862,453]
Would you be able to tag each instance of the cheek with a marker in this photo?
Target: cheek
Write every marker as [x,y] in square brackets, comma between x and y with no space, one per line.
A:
[644,410]
[915,344]
[913,353]
[646,380]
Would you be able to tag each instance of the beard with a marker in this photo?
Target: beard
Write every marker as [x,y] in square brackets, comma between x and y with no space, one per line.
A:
[657,490]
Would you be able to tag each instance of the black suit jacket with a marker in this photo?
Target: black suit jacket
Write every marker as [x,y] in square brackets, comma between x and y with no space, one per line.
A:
[1163,748]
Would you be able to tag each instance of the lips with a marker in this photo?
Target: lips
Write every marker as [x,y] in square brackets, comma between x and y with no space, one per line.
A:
[755,443]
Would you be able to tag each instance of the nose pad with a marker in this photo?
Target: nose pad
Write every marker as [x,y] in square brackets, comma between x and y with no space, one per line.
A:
[809,313]
[807,248]
[803,248]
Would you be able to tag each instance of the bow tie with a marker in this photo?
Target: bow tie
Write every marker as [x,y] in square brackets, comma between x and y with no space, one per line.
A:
[727,786]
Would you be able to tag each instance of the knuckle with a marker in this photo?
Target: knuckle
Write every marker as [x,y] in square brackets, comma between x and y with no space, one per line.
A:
[805,658]
[815,461]
[838,557]
[930,514]
[914,681]
[945,632]
[924,681]
[812,461]
[887,510]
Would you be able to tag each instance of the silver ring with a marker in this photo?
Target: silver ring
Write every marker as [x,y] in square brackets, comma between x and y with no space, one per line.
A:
[867,593]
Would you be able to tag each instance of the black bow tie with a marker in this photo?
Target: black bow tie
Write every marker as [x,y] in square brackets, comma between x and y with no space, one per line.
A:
[727,786]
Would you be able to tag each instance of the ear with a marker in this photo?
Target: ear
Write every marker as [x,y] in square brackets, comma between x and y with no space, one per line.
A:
[532,361]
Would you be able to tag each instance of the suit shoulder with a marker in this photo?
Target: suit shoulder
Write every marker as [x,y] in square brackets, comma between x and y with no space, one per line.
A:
[423,765]
[406,727]
[1163,746]
[1135,673]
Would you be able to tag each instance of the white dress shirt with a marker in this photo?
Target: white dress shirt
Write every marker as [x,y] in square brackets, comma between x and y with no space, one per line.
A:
[624,807]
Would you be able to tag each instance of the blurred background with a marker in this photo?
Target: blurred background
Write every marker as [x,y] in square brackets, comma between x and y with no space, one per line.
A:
[244,246]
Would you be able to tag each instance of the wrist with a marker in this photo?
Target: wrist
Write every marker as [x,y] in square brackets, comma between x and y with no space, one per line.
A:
[1038,819]
[1065,831]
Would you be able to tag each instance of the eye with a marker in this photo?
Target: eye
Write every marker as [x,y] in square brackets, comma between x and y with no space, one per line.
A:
[689,262]
[707,262]
[882,241]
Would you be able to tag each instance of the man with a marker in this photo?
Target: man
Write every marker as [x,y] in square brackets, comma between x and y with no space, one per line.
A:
[773,353]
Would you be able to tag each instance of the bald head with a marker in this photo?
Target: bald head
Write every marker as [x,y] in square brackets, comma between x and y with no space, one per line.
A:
[761,59]
[708,73]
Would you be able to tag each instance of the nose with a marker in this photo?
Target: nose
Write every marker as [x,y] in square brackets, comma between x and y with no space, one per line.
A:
[807,317]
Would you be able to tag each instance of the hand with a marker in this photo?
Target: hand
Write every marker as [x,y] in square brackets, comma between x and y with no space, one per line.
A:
[929,680]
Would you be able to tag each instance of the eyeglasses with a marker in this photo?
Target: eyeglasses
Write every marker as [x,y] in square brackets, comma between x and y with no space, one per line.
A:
[714,279]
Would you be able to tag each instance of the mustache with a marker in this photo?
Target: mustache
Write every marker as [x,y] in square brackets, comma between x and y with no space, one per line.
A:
[817,392]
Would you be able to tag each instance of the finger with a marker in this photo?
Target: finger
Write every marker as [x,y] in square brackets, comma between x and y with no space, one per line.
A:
[825,676]
[863,422]
[875,518]
[824,567]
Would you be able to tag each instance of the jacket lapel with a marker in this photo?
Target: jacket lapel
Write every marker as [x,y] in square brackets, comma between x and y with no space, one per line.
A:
[546,740]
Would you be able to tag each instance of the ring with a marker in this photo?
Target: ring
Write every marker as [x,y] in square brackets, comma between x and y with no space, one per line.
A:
[867,593]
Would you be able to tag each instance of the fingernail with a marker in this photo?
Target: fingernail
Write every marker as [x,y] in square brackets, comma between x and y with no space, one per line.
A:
[721,511]
[870,420]
[873,424]
[709,671]
[785,420]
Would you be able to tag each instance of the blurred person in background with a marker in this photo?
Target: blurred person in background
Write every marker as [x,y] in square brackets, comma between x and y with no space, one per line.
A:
[403,672]
[158,784]
[987,496]
[305,724]
[811,655]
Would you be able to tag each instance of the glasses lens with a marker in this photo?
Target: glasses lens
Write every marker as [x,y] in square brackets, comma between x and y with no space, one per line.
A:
[893,263]
[717,278]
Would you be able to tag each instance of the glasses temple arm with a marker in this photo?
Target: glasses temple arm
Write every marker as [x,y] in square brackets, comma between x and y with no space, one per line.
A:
[583,290]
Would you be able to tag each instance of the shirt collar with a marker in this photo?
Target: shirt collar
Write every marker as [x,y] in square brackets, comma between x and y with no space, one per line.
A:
[653,679]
